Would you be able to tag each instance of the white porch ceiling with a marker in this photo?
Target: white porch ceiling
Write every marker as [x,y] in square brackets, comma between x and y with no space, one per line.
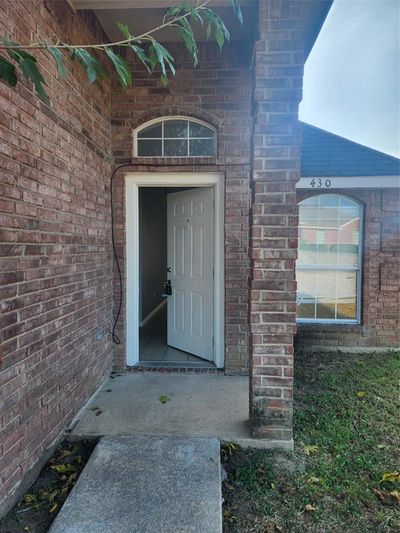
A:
[141,4]
[142,15]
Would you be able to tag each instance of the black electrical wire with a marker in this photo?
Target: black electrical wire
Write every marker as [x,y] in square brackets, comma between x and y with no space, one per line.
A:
[114,336]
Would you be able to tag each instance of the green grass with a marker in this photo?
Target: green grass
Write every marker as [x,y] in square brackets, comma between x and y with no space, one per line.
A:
[347,407]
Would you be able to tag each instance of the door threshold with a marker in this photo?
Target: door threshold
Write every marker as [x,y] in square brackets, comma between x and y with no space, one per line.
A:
[175,367]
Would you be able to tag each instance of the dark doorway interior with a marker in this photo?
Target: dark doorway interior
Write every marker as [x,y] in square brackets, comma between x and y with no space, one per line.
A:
[153,347]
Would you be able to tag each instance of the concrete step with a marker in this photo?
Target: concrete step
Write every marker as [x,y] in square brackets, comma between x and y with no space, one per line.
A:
[146,485]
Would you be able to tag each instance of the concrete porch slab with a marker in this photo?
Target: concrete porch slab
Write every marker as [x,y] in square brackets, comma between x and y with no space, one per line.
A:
[146,485]
[196,406]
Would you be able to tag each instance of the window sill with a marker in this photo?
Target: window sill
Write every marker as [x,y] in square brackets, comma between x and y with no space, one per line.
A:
[343,326]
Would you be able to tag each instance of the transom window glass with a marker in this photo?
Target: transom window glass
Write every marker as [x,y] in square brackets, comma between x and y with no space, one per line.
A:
[176,138]
[328,268]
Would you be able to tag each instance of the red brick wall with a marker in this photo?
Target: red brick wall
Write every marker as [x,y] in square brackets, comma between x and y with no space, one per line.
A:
[217,91]
[380,304]
[55,242]
[276,168]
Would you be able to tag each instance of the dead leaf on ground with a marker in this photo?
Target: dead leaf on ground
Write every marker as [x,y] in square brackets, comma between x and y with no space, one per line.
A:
[388,497]
[261,471]
[229,516]
[391,477]
[229,449]
[310,449]
[313,479]
[72,479]
[64,468]
[270,528]
[63,454]
[395,494]
[310,508]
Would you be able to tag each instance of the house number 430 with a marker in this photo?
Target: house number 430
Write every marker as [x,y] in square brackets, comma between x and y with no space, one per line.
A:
[318,183]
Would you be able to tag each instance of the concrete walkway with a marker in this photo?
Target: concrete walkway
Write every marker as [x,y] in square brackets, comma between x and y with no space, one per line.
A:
[146,485]
[196,406]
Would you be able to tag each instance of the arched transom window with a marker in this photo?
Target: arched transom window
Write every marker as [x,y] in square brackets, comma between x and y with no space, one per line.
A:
[175,137]
[328,268]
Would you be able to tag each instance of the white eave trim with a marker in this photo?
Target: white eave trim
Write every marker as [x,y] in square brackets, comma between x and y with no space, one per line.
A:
[140,4]
[349,182]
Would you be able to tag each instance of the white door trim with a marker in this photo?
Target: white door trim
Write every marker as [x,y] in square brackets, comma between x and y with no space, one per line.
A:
[134,180]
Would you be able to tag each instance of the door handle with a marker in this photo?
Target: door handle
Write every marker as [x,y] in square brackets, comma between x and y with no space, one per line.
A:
[167,289]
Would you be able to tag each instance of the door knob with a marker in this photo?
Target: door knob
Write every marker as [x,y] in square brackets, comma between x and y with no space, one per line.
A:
[167,289]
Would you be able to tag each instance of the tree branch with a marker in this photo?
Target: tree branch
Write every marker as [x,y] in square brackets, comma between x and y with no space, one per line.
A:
[125,42]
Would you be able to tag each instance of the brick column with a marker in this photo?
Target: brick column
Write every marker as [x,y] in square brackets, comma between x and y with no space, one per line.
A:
[278,72]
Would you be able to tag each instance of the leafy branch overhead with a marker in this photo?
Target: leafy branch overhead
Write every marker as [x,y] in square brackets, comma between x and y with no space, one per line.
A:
[145,46]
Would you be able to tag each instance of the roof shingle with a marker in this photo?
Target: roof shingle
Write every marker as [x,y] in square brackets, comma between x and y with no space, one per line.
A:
[326,154]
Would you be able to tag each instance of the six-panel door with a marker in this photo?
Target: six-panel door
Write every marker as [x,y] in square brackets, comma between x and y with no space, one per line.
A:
[191,260]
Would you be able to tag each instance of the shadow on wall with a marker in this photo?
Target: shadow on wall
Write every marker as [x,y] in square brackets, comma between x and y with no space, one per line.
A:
[152,247]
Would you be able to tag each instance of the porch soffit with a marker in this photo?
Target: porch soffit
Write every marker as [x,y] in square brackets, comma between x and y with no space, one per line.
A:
[140,15]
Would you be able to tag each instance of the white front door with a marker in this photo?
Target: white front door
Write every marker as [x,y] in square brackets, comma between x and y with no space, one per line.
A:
[190,220]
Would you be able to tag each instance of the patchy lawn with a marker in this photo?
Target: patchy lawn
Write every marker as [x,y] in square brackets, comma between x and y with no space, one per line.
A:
[38,508]
[347,438]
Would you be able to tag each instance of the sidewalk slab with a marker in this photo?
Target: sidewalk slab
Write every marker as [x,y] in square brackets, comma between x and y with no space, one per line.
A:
[197,406]
[146,485]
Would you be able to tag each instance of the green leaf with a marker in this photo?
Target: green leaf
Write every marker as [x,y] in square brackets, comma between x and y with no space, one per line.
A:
[237,10]
[56,53]
[31,72]
[152,57]
[18,54]
[163,58]
[160,56]
[121,66]
[123,28]
[219,37]
[195,14]
[7,72]
[173,12]
[94,68]
[209,27]
[141,55]
[186,32]
[221,32]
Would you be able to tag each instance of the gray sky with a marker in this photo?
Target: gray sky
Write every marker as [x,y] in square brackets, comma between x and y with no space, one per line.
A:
[352,76]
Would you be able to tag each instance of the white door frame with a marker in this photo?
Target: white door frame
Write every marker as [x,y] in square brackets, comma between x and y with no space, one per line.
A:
[134,180]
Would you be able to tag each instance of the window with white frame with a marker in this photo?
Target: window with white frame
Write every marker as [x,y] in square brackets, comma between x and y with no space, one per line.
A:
[175,137]
[328,268]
